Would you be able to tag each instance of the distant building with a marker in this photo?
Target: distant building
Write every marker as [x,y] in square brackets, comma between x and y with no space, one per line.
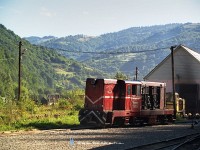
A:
[51,99]
[187,76]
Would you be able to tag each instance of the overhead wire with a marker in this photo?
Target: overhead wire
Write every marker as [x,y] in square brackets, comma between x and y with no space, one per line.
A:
[115,53]
[118,52]
[138,59]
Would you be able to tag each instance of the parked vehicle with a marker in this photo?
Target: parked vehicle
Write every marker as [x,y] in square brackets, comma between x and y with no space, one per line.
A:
[180,104]
[121,102]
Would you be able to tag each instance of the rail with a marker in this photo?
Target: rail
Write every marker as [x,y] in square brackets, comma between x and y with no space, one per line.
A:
[192,140]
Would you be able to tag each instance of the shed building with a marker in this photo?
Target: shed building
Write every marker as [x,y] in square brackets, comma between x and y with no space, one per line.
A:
[186,76]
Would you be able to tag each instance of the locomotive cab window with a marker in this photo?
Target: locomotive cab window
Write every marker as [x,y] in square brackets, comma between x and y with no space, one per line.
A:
[129,90]
[154,90]
[136,89]
[145,90]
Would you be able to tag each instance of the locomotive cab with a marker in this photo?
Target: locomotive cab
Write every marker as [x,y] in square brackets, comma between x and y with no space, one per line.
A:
[129,96]
[130,92]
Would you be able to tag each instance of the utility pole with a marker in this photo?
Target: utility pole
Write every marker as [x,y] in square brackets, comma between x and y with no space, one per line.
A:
[136,73]
[19,76]
[173,84]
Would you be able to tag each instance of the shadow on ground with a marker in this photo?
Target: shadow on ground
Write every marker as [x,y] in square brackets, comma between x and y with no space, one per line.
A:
[49,125]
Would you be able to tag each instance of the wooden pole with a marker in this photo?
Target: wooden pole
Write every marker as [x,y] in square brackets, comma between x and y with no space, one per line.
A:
[173,84]
[136,73]
[19,76]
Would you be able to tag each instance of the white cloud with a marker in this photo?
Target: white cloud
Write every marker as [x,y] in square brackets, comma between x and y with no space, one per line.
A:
[47,13]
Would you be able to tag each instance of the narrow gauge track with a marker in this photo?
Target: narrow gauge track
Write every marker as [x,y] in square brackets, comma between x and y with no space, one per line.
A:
[93,126]
[80,127]
[191,142]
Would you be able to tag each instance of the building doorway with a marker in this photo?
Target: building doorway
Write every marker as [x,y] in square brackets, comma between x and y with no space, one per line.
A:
[190,92]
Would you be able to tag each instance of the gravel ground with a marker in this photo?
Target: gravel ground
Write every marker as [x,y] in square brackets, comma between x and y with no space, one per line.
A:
[109,138]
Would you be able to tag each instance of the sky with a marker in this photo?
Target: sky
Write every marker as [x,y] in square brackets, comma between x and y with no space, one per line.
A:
[62,18]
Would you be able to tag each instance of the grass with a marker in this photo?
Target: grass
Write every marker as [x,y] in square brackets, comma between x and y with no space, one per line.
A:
[61,122]
[61,71]
[46,117]
[50,123]
[26,114]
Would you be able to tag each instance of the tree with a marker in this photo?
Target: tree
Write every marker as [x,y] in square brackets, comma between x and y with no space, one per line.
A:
[120,76]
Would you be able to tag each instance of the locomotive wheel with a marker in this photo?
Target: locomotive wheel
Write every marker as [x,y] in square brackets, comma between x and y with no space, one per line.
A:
[137,122]
[119,121]
[162,119]
[152,120]
[170,119]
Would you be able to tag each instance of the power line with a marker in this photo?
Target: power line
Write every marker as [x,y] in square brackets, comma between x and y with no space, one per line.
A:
[153,52]
[119,52]
[131,59]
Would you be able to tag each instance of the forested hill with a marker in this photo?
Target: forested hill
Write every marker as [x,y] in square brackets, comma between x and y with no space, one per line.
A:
[133,40]
[44,71]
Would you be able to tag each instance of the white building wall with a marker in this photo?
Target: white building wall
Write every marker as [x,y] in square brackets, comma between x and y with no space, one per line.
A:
[186,70]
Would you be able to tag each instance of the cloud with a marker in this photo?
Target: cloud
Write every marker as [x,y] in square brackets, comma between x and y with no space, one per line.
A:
[47,13]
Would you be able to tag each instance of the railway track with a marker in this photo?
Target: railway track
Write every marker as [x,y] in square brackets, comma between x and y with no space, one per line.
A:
[191,142]
[93,126]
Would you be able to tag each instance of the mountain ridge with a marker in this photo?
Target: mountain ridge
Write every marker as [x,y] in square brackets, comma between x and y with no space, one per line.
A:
[43,70]
[129,40]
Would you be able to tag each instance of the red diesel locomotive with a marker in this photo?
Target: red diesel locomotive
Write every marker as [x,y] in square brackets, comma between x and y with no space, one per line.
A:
[119,102]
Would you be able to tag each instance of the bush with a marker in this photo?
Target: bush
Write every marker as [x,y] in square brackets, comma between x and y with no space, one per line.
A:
[64,104]
[27,105]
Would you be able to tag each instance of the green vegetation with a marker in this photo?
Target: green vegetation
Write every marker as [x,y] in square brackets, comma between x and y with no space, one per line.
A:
[44,71]
[28,115]
[120,76]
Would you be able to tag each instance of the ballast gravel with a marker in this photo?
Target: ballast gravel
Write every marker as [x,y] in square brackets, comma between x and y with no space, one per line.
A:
[109,138]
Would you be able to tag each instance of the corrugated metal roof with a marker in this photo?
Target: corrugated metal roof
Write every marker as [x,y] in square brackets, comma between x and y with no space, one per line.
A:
[110,81]
[133,82]
[193,53]
[153,83]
